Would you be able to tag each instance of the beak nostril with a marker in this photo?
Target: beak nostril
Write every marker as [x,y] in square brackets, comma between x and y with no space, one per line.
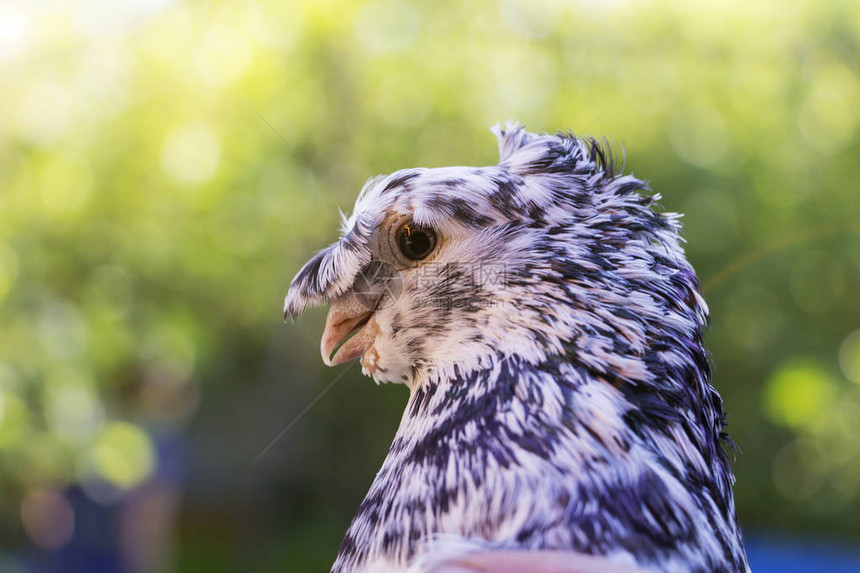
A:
[378,284]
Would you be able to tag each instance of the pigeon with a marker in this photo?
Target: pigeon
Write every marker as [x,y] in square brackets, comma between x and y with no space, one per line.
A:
[549,328]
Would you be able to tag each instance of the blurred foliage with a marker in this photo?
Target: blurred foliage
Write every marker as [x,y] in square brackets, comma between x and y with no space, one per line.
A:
[165,167]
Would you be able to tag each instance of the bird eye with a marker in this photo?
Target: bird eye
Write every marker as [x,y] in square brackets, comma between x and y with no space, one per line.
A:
[415,241]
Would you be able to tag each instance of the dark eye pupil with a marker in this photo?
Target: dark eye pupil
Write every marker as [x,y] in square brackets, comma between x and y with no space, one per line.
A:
[416,242]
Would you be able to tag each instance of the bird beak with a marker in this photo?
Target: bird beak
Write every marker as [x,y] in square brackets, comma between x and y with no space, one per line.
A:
[347,333]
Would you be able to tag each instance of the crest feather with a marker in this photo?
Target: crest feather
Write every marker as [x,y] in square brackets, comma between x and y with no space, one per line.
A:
[512,136]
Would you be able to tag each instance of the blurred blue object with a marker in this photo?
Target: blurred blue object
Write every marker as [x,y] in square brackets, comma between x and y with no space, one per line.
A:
[130,534]
[772,554]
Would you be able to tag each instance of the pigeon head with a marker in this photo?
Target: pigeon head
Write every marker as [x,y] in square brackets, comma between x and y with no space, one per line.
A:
[442,271]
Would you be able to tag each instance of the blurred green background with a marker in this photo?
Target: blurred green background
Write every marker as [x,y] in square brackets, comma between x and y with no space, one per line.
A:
[167,166]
